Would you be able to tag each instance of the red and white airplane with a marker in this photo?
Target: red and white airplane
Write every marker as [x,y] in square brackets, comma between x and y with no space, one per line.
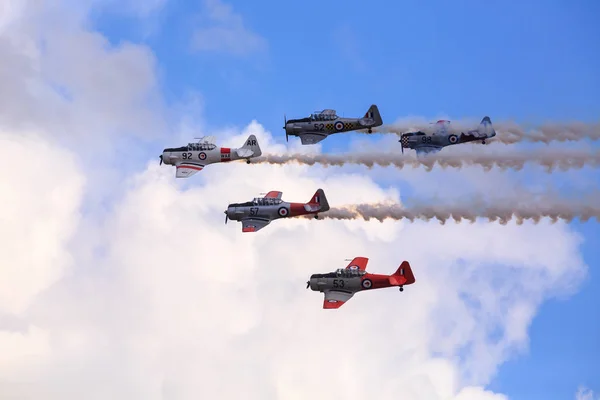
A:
[340,286]
[195,156]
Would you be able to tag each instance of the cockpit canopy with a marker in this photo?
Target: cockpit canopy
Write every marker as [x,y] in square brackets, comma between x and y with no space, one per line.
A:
[201,146]
[346,272]
[325,115]
[204,143]
[266,201]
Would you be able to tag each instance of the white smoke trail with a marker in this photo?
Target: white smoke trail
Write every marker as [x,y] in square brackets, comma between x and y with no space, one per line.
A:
[502,211]
[509,132]
[551,159]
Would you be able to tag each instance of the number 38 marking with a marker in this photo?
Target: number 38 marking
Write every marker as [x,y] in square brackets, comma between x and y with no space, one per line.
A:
[187,156]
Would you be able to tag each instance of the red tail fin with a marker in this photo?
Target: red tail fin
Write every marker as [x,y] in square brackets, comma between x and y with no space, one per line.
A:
[405,271]
[320,199]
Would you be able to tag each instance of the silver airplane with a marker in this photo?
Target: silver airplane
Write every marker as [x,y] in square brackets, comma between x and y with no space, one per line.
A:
[341,285]
[321,124]
[258,213]
[424,143]
[195,156]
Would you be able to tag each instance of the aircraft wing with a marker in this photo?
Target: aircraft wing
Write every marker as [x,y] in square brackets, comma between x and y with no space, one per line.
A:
[311,138]
[274,194]
[358,262]
[425,150]
[254,224]
[187,169]
[335,298]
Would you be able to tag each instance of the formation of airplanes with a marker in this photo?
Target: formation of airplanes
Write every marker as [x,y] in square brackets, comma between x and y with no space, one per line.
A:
[339,286]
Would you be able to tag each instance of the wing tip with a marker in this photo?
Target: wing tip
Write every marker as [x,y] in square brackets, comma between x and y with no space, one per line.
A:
[332,304]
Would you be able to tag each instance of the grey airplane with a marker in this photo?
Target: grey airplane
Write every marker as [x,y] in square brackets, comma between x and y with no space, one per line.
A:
[321,124]
[341,285]
[258,213]
[195,156]
[426,143]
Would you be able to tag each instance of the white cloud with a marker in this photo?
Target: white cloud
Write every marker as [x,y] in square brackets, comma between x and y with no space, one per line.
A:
[151,296]
[40,201]
[584,393]
[225,31]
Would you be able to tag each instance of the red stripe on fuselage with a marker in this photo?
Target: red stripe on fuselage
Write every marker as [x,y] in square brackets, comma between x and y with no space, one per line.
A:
[297,209]
[225,154]
[378,281]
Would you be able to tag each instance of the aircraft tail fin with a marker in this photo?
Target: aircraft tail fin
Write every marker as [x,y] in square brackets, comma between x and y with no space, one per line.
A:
[373,113]
[405,272]
[252,145]
[320,200]
[485,127]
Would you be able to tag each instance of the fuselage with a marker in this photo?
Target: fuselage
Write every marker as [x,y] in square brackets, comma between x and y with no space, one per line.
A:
[268,209]
[295,127]
[413,140]
[203,154]
[349,281]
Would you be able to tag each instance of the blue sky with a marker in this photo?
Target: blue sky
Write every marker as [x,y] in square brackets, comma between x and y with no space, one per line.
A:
[528,61]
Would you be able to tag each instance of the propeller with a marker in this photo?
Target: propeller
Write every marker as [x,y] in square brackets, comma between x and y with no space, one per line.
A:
[161,160]
[226,216]
[284,125]
[307,284]
[401,145]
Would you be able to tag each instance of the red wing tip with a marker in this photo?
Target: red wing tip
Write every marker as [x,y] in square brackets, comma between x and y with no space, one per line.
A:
[331,304]
[248,229]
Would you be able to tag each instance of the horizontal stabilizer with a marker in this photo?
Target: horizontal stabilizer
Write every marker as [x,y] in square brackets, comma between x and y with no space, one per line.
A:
[244,152]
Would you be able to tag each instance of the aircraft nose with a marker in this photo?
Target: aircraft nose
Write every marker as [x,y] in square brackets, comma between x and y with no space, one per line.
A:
[313,283]
[165,157]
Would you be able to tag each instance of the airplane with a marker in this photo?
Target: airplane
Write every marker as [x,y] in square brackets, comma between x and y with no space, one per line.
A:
[321,124]
[424,143]
[341,285]
[195,156]
[258,213]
